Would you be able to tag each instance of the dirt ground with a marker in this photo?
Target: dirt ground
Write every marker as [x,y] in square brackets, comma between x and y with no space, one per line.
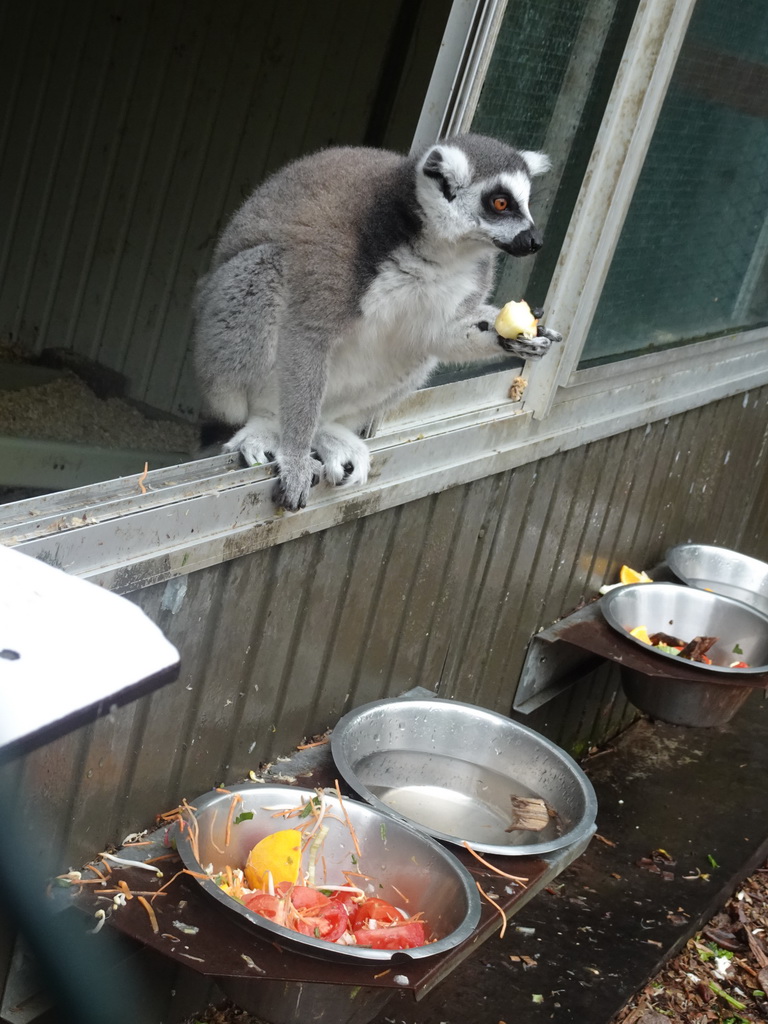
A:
[722,972]
[721,975]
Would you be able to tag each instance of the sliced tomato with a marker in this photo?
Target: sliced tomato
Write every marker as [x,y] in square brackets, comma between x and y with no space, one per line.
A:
[404,935]
[302,897]
[268,906]
[376,910]
[328,922]
[346,899]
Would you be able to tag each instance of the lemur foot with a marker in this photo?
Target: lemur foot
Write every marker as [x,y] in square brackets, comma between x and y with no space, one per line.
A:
[344,456]
[257,441]
[297,475]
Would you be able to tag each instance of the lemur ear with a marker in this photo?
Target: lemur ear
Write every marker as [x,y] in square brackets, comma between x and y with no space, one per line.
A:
[449,167]
[537,163]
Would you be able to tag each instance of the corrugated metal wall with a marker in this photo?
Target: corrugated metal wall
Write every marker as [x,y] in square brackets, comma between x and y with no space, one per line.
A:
[447,590]
[129,129]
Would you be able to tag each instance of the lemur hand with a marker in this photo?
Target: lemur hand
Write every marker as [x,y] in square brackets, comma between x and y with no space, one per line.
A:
[531,348]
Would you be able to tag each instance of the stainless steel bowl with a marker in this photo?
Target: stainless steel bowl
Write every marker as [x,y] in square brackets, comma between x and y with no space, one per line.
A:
[405,867]
[686,613]
[453,768]
[721,571]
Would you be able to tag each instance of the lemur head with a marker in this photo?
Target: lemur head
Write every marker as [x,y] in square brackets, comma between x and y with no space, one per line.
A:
[477,189]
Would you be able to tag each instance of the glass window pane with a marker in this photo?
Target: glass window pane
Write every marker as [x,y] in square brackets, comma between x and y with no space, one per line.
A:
[691,260]
[546,88]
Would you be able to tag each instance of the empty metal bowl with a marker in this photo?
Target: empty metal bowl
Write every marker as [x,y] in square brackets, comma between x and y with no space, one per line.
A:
[453,770]
[404,866]
[721,571]
[686,613]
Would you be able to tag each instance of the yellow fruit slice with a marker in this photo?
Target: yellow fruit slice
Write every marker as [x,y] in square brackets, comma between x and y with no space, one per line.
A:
[280,854]
[641,633]
[515,320]
[627,575]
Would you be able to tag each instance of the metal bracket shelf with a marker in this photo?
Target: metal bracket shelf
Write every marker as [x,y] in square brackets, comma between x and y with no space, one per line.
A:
[552,663]
[559,656]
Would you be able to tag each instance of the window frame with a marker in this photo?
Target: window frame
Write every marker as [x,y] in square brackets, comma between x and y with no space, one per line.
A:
[205,512]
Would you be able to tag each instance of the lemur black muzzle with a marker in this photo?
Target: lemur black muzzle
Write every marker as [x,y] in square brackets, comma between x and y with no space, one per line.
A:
[524,244]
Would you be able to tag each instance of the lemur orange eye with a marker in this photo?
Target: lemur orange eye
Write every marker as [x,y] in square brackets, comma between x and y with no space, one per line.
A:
[500,203]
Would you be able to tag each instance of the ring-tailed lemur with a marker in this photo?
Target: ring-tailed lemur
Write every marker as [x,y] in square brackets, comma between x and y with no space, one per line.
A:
[342,281]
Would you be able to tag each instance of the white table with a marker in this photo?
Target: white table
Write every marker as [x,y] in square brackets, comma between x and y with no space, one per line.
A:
[69,652]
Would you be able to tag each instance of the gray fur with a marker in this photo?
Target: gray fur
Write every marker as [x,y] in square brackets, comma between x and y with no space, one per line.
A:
[341,282]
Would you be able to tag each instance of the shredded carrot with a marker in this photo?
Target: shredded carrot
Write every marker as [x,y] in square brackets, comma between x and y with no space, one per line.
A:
[194,829]
[165,815]
[147,842]
[401,894]
[96,871]
[349,823]
[381,975]
[150,914]
[317,743]
[496,905]
[357,874]
[162,856]
[236,799]
[220,789]
[184,871]
[176,812]
[333,817]
[214,844]
[495,870]
[143,477]
[288,812]
[122,884]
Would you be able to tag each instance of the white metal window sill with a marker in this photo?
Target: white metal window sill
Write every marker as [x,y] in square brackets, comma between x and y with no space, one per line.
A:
[202,513]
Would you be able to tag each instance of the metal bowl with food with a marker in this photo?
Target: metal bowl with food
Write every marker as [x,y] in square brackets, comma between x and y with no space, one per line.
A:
[344,845]
[740,633]
[721,571]
[463,773]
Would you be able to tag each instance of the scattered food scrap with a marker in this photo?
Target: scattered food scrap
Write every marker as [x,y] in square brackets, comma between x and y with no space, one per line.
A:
[529,814]
[692,650]
[627,575]
[602,839]
[517,389]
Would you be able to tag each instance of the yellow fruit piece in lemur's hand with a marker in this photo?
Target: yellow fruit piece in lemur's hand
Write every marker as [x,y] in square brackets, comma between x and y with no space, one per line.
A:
[516,320]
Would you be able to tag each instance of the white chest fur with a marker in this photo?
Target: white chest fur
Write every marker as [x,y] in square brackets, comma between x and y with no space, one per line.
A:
[422,290]
[406,311]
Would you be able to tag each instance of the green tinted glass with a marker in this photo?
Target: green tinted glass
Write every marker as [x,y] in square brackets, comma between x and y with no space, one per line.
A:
[546,88]
[692,258]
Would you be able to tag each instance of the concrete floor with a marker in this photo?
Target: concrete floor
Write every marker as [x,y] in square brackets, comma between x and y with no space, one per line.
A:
[608,924]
